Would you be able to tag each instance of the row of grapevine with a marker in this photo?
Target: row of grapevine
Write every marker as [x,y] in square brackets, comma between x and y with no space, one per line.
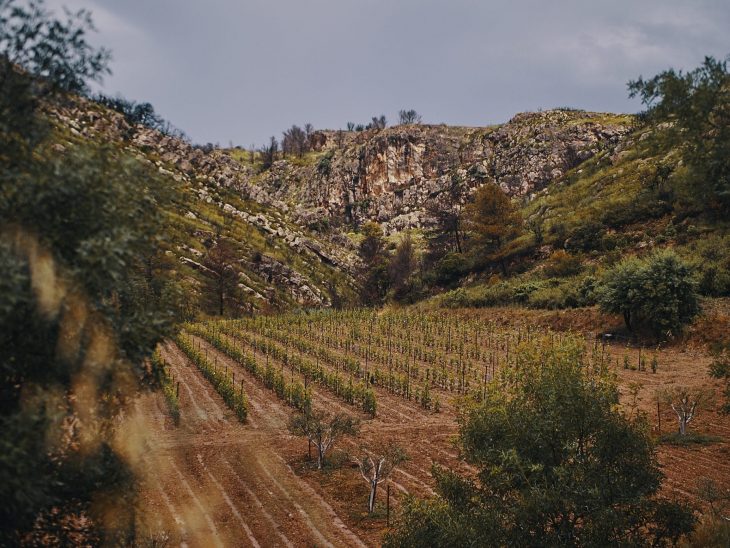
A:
[393,381]
[343,387]
[169,388]
[223,384]
[294,393]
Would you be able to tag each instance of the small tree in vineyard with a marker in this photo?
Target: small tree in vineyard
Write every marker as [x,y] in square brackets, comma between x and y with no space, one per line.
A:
[685,402]
[375,469]
[323,430]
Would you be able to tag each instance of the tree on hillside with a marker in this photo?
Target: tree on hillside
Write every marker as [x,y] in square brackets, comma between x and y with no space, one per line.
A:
[374,258]
[697,106]
[139,113]
[444,233]
[491,220]
[406,117]
[558,465]
[658,292]
[323,430]
[444,262]
[294,141]
[402,269]
[220,260]
[268,153]
[377,122]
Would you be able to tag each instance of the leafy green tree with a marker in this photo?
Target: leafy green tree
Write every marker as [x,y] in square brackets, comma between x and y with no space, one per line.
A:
[402,269]
[558,465]
[374,273]
[82,304]
[491,220]
[658,292]
[696,105]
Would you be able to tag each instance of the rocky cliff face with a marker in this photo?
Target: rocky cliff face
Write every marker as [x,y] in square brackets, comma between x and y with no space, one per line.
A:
[392,175]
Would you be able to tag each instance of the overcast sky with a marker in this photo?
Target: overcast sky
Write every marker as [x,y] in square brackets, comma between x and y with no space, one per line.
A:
[241,70]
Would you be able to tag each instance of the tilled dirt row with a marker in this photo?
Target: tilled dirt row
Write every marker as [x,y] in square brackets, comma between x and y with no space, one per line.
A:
[426,437]
[213,481]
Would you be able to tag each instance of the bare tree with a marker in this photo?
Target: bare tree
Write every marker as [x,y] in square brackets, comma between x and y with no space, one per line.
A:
[323,429]
[377,122]
[375,469]
[685,402]
[409,117]
[294,141]
[269,153]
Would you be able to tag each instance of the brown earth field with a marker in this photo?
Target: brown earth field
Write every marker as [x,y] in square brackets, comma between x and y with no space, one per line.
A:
[212,480]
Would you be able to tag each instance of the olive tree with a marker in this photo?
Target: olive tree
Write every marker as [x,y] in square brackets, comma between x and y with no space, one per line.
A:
[685,402]
[323,430]
[377,468]
[80,306]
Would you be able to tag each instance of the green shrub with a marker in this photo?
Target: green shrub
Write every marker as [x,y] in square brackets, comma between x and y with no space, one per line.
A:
[450,269]
[586,237]
[561,263]
[658,293]
[458,298]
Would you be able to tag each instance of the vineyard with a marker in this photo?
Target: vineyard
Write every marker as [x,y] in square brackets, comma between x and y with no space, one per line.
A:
[426,359]
[235,384]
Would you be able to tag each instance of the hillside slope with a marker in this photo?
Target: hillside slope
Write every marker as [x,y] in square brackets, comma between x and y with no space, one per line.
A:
[393,175]
[592,186]
[278,265]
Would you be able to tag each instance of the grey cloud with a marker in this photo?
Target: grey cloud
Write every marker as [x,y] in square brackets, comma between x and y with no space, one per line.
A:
[243,70]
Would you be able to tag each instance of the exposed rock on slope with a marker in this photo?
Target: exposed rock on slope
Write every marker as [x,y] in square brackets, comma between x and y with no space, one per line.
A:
[392,175]
[279,219]
[280,263]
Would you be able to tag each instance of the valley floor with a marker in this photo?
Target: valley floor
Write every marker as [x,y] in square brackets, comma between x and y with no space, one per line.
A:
[213,481]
